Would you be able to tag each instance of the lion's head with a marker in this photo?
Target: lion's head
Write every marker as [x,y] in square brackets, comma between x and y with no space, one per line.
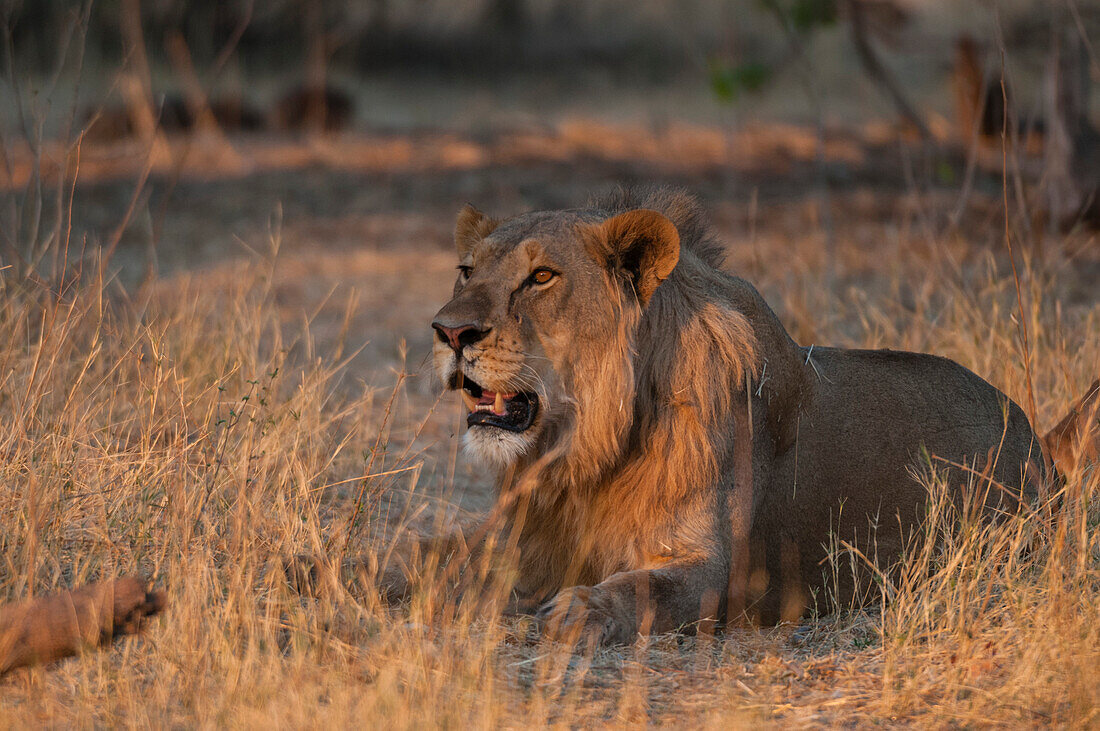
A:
[549,314]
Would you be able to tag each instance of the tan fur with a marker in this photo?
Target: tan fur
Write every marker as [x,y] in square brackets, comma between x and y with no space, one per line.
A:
[611,482]
[58,626]
[472,226]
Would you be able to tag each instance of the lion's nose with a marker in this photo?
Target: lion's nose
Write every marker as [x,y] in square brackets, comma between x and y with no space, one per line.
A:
[460,336]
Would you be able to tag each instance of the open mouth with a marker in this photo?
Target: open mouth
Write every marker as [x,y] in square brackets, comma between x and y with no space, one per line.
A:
[509,411]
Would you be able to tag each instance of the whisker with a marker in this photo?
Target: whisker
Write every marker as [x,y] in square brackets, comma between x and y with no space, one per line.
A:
[539,385]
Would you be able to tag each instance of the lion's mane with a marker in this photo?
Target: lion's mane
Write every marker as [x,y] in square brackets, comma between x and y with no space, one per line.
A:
[653,402]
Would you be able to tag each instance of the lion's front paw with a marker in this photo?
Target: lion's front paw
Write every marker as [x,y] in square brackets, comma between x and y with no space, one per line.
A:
[133,602]
[585,615]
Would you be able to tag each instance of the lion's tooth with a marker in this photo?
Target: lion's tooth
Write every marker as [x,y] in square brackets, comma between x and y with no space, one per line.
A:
[498,406]
[470,401]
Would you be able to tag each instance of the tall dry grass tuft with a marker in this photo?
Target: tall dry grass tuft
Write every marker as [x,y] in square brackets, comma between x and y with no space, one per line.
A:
[179,435]
[176,430]
[1001,620]
[994,621]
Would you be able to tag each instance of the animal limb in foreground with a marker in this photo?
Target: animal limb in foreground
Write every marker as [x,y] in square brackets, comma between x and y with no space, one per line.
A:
[644,601]
[58,626]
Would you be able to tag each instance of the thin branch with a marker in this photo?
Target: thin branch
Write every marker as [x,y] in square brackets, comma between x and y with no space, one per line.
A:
[878,72]
[1021,322]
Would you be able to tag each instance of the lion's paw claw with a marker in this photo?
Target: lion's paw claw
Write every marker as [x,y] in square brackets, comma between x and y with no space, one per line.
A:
[582,615]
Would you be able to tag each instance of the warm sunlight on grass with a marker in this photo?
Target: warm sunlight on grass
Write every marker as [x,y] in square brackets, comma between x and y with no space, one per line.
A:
[215,341]
[184,429]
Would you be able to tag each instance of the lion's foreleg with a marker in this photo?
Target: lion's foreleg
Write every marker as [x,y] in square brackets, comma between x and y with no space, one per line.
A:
[683,594]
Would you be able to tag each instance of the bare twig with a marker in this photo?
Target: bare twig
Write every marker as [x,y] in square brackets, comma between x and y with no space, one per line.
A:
[878,72]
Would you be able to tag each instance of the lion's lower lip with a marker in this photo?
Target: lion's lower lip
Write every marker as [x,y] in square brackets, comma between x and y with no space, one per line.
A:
[518,414]
[511,411]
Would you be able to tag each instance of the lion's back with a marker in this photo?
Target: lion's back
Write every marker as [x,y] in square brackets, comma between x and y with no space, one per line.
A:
[929,401]
[878,412]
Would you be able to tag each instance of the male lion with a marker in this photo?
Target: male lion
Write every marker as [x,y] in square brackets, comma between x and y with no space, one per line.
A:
[660,438]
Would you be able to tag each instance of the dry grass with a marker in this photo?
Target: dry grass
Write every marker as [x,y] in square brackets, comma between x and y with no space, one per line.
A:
[200,427]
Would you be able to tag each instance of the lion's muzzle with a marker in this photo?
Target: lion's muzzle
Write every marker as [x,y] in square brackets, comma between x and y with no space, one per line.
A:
[512,411]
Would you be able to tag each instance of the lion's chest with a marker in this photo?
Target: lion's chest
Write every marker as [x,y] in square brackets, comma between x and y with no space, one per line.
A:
[566,544]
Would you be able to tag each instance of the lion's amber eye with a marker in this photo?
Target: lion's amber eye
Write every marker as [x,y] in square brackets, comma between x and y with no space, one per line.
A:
[542,276]
[464,272]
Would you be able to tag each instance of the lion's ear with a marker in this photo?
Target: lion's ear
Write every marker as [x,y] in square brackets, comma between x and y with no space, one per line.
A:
[645,245]
[470,228]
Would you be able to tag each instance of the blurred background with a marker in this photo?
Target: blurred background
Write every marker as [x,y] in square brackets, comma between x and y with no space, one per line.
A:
[839,137]
[491,64]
